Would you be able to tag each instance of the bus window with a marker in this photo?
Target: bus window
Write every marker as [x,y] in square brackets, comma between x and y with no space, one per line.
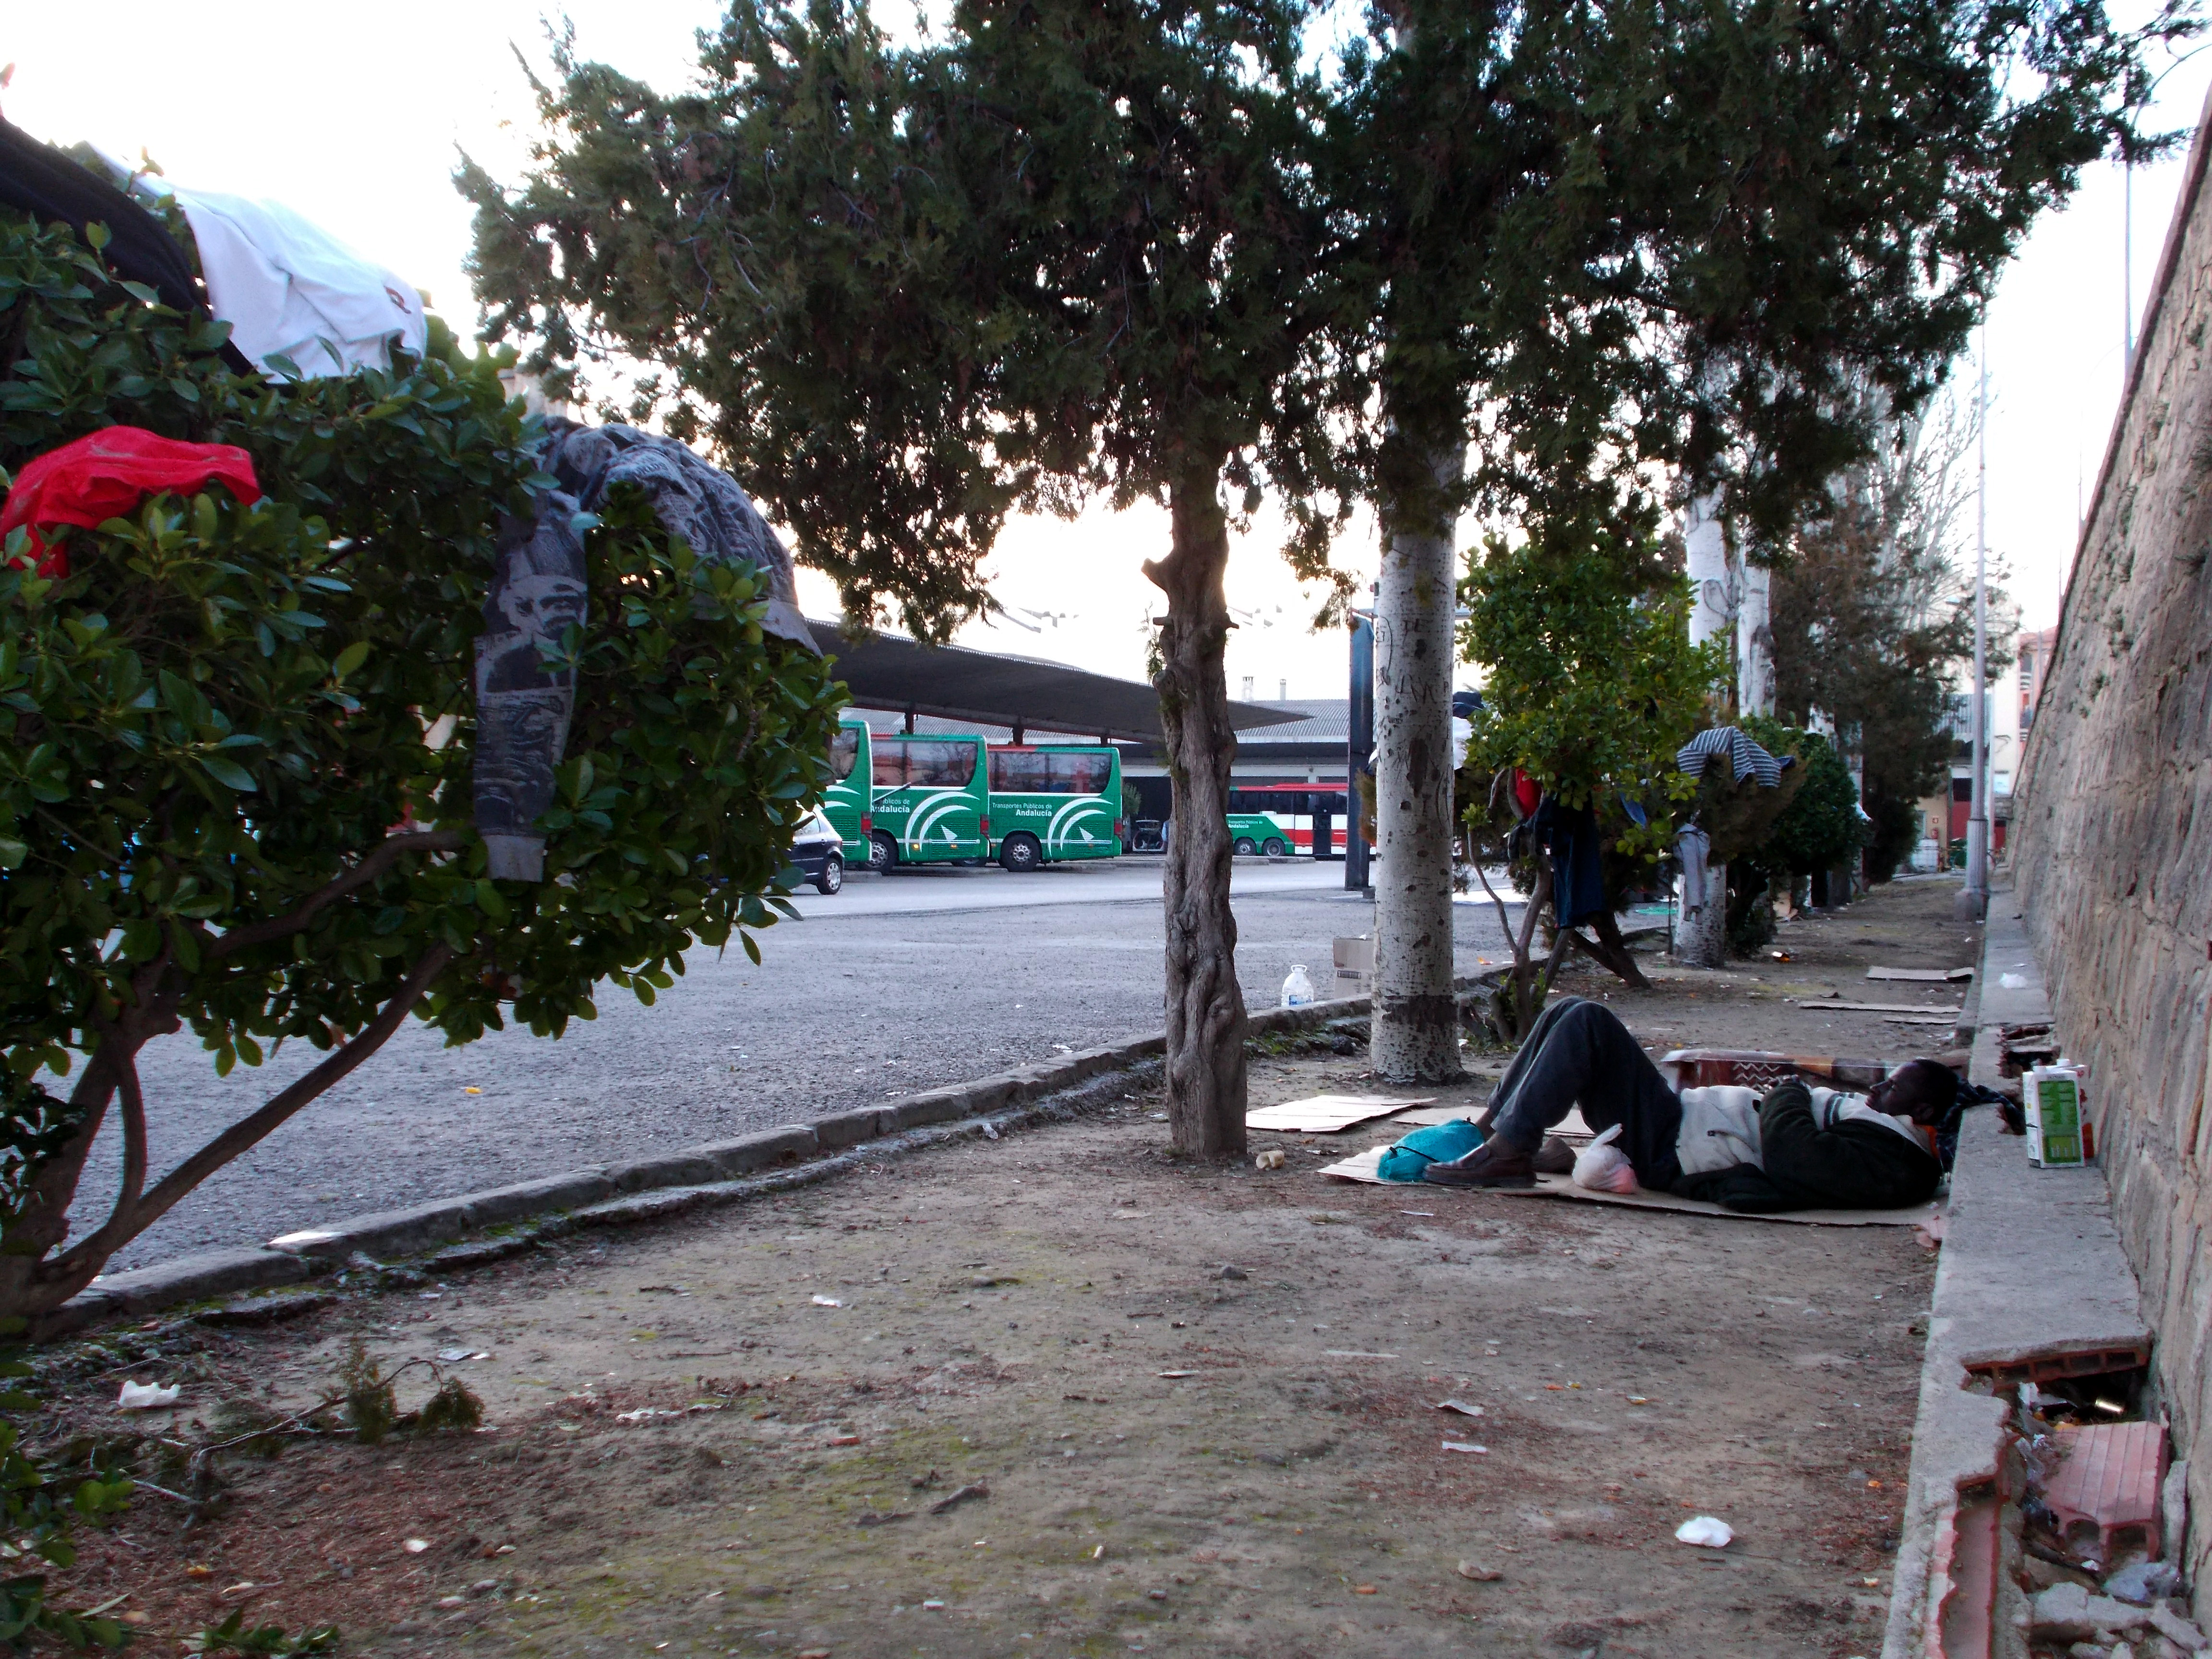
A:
[890,765]
[1081,774]
[1020,771]
[940,765]
[844,751]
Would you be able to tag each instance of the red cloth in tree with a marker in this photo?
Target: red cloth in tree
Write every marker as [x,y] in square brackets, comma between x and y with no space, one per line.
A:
[106,474]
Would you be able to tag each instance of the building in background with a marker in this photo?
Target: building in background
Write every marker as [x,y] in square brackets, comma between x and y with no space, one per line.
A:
[2011,715]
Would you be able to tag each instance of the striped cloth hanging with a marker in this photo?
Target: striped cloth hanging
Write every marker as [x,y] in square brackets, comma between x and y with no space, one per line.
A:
[1747,757]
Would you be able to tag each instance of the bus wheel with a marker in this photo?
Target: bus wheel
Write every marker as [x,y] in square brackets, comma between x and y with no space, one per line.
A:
[1021,853]
[883,851]
[832,879]
[1244,848]
[1276,847]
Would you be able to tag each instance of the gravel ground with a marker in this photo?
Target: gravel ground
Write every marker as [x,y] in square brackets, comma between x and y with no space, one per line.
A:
[900,983]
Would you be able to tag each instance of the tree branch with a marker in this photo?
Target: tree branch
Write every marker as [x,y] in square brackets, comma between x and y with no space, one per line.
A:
[126,1224]
[374,864]
[134,1131]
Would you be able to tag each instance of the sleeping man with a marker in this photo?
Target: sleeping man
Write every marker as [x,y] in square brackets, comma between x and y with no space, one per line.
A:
[1799,1148]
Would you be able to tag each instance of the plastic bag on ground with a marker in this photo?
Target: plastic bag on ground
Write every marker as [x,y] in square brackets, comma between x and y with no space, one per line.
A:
[1439,1143]
[1704,1531]
[146,1396]
[1603,1167]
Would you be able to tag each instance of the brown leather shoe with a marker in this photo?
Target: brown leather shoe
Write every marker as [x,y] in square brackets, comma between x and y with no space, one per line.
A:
[1496,1163]
[1554,1157]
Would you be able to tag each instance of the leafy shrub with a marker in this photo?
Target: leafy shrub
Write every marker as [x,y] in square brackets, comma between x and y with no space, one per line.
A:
[235,743]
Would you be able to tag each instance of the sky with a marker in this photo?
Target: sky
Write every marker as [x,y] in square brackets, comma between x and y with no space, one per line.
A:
[357,118]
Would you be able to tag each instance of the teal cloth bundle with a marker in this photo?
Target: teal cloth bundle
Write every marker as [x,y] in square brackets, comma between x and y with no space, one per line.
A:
[1438,1142]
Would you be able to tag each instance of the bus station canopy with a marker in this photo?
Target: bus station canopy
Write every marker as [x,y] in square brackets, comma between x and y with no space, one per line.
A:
[891,672]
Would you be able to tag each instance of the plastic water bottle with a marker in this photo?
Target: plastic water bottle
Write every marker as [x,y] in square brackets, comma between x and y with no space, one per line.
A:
[1298,989]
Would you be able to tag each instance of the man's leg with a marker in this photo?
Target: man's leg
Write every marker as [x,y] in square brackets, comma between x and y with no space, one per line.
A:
[1579,1053]
[1531,1046]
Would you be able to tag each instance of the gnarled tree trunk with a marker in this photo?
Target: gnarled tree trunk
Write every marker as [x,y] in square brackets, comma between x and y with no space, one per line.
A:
[1205,1006]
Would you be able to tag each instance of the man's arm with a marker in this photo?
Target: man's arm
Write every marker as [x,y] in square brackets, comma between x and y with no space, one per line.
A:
[1853,1166]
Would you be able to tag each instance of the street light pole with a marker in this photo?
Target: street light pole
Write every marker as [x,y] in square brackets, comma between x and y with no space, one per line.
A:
[1973,901]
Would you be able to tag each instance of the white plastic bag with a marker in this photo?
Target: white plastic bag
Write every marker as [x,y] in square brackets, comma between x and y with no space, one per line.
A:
[1298,988]
[146,1396]
[1603,1167]
[1705,1532]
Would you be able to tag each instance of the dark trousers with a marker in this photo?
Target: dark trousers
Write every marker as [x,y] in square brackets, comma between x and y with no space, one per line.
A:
[1579,1054]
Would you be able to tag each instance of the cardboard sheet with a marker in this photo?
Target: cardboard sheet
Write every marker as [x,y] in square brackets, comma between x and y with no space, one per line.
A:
[1362,1169]
[1329,1114]
[1881,1007]
[1922,975]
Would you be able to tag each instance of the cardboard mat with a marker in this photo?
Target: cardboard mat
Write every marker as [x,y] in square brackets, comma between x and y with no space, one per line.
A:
[1362,1168]
[1329,1114]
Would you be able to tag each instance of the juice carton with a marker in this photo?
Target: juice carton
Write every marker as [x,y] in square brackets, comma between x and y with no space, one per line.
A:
[2053,1104]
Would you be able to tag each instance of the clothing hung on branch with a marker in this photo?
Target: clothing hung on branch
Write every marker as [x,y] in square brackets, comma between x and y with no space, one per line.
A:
[38,179]
[1692,847]
[1746,757]
[290,288]
[692,498]
[1577,868]
[105,475]
[523,707]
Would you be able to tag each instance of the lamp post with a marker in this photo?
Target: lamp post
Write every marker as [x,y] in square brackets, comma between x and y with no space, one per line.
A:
[1973,901]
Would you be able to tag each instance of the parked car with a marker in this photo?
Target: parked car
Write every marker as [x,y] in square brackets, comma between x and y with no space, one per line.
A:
[819,851]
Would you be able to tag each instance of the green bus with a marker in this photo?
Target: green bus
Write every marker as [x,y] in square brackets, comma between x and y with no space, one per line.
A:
[932,800]
[1051,801]
[846,802]
[1250,833]
[945,799]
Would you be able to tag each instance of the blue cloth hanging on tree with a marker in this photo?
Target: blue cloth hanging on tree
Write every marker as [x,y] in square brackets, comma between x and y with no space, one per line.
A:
[1577,869]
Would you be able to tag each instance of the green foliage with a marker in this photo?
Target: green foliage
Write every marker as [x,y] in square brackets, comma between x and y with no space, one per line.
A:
[907,291]
[371,1405]
[1821,828]
[234,1635]
[42,1501]
[1592,683]
[235,742]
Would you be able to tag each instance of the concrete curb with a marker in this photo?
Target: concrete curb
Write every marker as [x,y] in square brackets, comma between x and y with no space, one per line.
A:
[1988,1312]
[627,1194]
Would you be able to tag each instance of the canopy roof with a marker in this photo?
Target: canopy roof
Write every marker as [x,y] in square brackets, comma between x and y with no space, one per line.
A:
[891,672]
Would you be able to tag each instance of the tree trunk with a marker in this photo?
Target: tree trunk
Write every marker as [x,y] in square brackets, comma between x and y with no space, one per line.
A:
[1701,940]
[1415,1024]
[1754,642]
[1205,1006]
[34,1282]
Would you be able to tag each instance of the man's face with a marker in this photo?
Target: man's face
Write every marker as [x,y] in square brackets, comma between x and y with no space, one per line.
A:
[1887,1096]
[542,607]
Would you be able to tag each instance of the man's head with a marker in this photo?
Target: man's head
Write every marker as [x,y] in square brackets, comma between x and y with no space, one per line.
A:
[1922,1090]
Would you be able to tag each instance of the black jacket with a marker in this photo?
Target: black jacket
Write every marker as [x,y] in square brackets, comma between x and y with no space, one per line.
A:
[1854,1166]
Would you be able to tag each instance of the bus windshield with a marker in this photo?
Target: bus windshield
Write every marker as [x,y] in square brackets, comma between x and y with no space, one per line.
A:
[844,750]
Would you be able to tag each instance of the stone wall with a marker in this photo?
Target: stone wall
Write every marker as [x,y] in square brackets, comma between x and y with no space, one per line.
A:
[2111,823]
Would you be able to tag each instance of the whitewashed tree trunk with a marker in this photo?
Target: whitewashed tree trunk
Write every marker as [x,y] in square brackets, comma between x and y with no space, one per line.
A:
[1415,1023]
[1754,642]
[1701,938]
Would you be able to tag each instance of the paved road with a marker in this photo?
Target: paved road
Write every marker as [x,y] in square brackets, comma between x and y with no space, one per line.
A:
[901,982]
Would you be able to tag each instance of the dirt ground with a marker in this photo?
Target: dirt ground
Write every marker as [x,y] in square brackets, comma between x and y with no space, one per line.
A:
[1194,1409]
